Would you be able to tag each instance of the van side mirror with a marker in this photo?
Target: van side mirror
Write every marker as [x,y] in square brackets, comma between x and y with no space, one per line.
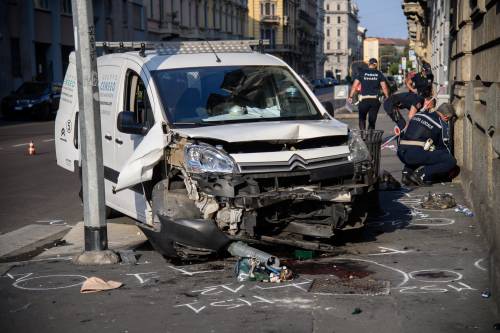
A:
[126,123]
[329,108]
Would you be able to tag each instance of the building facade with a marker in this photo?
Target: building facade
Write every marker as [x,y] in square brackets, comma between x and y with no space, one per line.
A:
[38,46]
[320,40]
[461,41]
[196,19]
[341,36]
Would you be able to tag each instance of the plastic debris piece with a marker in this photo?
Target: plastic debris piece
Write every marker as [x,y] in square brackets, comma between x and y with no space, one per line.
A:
[464,210]
[486,294]
[128,257]
[240,249]
[438,201]
[356,311]
[387,182]
[94,284]
[303,254]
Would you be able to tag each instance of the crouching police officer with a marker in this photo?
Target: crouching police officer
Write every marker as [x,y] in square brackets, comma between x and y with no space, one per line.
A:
[371,81]
[424,147]
[409,101]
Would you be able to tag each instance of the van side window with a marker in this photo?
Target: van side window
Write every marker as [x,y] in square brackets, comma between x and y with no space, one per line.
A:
[137,101]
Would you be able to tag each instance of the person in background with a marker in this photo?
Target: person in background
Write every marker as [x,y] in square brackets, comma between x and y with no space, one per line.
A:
[410,101]
[424,147]
[371,81]
[421,83]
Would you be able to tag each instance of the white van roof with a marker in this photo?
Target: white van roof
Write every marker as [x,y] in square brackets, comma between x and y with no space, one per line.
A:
[154,61]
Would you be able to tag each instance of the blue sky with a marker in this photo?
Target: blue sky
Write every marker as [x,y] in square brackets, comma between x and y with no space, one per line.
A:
[382,18]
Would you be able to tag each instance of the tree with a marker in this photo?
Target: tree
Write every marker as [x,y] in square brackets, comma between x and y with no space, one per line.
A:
[393,69]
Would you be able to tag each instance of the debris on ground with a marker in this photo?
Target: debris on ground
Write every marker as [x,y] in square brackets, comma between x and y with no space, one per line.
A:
[128,257]
[464,210]
[387,182]
[438,201]
[356,311]
[486,294]
[94,284]
[303,254]
[257,265]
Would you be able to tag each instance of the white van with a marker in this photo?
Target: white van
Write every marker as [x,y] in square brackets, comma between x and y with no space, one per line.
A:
[204,142]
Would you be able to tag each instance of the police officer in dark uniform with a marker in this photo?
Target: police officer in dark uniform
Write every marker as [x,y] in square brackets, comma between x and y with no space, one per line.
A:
[410,101]
[424,147]
[371,81]
[421,83]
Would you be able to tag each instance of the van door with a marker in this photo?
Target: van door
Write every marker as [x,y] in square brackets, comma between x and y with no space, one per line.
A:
[137,98]
[66,124]
[109,102]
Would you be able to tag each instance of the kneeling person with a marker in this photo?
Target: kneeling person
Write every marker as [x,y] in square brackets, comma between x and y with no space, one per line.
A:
[423,147]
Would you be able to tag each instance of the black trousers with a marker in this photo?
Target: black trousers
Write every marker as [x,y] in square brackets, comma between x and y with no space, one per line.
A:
[368,107]
[436,163]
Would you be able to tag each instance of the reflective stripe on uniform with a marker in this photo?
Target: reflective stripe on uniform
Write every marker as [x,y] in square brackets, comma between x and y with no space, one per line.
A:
[412,143]
[429,118]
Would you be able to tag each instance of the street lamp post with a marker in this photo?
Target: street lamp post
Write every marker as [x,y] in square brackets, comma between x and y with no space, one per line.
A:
[95,229]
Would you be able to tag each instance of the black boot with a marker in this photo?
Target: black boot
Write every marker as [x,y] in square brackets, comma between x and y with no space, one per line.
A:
[418,177]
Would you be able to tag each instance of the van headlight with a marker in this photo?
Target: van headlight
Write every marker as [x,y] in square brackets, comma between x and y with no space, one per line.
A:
[205,158]
[358,148]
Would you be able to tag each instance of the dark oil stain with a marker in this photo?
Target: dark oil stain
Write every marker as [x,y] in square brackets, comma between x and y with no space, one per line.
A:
[435,275]
[342,270]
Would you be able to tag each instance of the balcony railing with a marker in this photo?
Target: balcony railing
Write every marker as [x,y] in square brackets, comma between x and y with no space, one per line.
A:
[270,19]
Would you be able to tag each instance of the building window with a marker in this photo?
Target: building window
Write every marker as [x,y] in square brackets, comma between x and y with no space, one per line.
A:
[269,9]
[138,16]
[205,13]
[327,7]
[41,4]
[338,59]
[15,57]
[285,7]
[327,32]
[66,7]
[338,7]
[338,32]
[338,19]
[327,45]
[328,20]
[338,45]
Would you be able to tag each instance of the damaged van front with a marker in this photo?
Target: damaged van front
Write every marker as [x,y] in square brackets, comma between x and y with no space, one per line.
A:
[248,153]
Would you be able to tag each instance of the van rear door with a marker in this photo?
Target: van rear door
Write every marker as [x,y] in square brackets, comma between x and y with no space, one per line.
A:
[66,124]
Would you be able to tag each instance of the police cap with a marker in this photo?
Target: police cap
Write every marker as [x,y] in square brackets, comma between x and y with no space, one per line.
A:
[446,109]
[372,61]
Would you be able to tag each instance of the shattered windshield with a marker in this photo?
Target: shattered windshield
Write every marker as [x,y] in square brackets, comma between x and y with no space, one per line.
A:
[214,95]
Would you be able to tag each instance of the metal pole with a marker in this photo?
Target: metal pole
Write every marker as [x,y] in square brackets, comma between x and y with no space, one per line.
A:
[96,239]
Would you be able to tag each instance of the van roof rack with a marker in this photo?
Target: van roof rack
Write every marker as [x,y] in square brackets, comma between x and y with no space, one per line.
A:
[185,47]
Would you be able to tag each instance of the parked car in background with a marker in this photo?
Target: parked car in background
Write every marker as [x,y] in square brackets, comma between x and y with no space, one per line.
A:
[391,82]
[328,82]
[35,99]
[317,84]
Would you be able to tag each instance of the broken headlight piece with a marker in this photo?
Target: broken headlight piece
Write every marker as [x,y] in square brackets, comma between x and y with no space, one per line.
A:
[202,158]
[359,150]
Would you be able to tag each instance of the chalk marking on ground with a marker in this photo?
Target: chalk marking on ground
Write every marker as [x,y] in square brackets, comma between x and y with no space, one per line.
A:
[141,280]
[183,271]
[477,263]
[388,250]
[23,280]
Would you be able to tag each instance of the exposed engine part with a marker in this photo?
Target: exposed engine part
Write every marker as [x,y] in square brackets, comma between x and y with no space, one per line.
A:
[174,204]
[228,219]
[207,206]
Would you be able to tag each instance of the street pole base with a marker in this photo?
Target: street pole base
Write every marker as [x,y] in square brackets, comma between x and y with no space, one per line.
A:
[105,257]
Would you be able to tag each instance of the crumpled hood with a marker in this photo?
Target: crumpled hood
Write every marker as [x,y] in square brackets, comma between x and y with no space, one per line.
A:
[266,131]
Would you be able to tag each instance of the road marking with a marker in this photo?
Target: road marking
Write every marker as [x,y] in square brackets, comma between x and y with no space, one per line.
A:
[20,145]
[478,264]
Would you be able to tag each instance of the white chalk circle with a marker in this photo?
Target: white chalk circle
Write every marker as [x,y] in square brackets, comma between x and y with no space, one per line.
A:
[432,221]
[50,282]
[435,275]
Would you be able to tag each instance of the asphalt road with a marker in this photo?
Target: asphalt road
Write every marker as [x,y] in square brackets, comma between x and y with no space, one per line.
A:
[33,188]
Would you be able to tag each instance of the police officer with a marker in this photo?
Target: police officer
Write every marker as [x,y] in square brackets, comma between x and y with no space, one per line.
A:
[410,101]
[421,83]
[424,147]
[371,81]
